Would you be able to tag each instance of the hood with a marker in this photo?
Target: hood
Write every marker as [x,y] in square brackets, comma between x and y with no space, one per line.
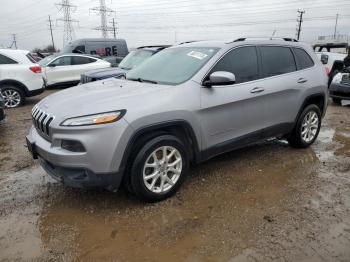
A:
[99,97]
[105,73]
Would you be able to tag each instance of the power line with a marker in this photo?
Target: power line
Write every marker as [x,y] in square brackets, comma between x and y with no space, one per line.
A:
[299,20]
[114,28]
[67,8]
[103,11]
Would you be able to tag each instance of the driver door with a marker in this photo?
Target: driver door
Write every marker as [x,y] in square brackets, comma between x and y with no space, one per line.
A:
[234,114]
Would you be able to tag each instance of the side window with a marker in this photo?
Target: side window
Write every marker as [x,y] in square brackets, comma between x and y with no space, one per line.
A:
[4,60]
[80,60]
[79,49]
[303,59]
[62,61]
[242,62]
[277,60]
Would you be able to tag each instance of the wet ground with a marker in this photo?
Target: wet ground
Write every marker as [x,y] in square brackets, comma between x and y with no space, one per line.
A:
[262,203]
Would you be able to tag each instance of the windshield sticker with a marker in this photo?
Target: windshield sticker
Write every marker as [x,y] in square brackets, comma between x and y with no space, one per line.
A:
[197,55]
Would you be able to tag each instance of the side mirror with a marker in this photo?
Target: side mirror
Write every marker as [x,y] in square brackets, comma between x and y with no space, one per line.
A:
[51,65]
[324,59]
[220,78]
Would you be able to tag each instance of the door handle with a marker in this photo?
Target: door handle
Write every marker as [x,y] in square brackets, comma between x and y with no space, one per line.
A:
[257,90]
[301,80]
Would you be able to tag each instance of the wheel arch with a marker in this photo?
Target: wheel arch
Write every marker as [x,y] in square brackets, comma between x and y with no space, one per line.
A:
[14,83]
[318,99]
[179,128]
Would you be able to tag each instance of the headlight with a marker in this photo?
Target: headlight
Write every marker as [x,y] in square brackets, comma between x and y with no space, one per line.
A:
[96,119]
[337,78]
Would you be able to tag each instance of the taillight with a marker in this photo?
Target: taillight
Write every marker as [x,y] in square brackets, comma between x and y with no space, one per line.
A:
[35,69]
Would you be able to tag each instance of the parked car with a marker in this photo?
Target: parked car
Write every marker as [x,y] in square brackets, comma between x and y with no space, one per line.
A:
[20,77]
[111,50]
[340,87]
[2,106]
[184,105]
[133,59]
[65,70]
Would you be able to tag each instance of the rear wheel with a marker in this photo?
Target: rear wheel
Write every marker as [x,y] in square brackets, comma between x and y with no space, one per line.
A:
[13,96]
[336,101]
[159,169]
[307,127]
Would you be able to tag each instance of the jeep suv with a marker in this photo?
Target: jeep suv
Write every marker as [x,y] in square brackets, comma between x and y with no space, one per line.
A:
[182,106]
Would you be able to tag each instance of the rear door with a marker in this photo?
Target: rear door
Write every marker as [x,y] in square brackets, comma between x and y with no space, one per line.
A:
[234,113]
[283,87]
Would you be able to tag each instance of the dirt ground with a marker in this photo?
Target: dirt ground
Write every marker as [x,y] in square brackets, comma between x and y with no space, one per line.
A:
[268,202]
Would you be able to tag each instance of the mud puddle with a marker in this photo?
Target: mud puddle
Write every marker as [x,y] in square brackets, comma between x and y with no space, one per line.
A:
[266,202]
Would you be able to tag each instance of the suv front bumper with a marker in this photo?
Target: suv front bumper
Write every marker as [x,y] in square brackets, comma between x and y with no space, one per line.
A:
[98,166]
[81,178]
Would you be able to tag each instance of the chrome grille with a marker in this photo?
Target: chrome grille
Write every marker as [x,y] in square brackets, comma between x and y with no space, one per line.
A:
[42,121]
[345,80]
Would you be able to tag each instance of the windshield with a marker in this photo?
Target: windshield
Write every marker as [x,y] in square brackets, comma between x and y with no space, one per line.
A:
[172,66]
[46,60]
[134,58]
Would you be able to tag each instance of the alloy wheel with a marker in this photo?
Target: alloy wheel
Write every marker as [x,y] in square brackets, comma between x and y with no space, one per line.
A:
[309,126]
[11,97]
[162,169]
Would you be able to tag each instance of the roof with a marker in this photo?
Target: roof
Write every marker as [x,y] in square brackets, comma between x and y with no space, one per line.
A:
[242,41]
[97,39]
[17,55]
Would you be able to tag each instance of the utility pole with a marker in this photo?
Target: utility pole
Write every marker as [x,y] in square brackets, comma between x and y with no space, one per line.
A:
[67,8]
[53,43]
[103,11]
[14,41]
[299,20]
[114,32]
[336,25]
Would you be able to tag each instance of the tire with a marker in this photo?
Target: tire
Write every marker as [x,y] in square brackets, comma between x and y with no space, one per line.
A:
[13,96]
[303,136]
[164,178]
[336,101]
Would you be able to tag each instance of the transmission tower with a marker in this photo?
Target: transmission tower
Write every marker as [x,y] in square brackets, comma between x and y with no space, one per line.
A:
[14,41]
[103,11]
[67,9]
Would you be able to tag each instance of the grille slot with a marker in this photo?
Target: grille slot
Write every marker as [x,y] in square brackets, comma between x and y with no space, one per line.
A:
[42,121]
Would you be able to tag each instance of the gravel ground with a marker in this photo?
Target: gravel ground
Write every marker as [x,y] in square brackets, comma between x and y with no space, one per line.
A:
[267,202]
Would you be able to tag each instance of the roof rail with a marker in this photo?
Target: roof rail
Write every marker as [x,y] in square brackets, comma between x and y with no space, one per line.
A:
[288,39]
[154,46]
[188,42]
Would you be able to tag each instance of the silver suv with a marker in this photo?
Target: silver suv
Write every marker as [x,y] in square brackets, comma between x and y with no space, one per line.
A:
[184,105]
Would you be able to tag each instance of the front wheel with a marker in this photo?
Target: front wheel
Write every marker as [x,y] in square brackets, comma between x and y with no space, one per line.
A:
[307,127]
[13,96]
[159,169]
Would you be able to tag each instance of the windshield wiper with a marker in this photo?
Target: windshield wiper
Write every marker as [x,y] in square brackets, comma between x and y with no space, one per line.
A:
[143,80]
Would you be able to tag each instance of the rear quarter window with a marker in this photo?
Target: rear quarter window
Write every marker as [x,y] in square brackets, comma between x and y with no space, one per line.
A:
[277,60]
[302,59]
[4,60]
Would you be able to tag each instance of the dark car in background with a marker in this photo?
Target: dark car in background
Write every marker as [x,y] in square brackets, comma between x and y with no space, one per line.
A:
[340,87]
[133,59]
[2,105]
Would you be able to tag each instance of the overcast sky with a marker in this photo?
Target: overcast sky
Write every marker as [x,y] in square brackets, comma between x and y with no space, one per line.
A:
[143,22]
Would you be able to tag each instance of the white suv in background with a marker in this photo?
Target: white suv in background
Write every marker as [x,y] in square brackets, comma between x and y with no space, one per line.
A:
[20,77]
[64,70]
